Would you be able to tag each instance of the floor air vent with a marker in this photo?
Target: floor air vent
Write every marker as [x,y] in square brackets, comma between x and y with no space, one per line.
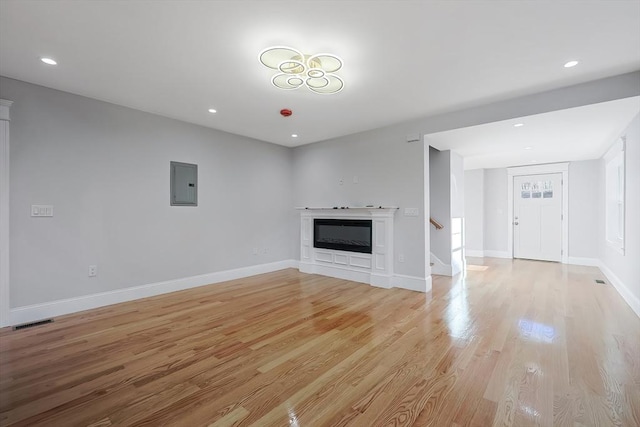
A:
[600,282]
[32,324]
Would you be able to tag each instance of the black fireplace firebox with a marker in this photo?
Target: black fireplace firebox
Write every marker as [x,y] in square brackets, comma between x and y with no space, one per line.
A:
[353,235]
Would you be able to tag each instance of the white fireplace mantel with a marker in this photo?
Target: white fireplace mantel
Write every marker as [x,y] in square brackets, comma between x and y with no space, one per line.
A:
[353,208]
[375,268]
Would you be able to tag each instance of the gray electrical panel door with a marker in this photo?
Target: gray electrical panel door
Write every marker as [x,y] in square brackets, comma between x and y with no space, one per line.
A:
[184,184]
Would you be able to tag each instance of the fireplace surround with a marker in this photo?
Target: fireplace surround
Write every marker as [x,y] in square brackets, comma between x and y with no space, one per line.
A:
[372,264]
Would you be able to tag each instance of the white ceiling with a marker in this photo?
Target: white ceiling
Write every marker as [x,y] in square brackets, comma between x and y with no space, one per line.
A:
[580,133]
[403,59]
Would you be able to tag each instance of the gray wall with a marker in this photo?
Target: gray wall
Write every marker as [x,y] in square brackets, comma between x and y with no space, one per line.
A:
[626,267]
[495,210]
[607,89]
[389,172]
[394,170]
[474,209]
[583,208]
[440,203]
[105,169]
[457,185]
[491,209]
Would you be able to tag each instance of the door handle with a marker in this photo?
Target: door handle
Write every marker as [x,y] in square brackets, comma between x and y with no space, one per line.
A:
[515,223]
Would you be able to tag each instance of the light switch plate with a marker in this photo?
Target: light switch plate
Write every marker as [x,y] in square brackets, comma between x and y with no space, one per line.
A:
[411,212]
[41,210]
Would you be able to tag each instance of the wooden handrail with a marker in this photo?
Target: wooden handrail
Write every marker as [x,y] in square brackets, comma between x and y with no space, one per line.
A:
[436,224]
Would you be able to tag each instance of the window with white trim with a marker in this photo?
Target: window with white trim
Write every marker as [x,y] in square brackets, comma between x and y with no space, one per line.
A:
[614,195]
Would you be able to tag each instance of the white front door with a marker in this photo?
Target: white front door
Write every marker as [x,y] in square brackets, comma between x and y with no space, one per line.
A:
[537,217]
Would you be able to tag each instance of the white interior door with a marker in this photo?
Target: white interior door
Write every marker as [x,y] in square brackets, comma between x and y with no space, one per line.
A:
[537,217]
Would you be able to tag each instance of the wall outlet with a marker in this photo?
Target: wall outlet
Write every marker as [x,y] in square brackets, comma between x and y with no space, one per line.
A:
[255,251]
[400,257]
[93,270]
[341,181]
[355,179]
[411,212]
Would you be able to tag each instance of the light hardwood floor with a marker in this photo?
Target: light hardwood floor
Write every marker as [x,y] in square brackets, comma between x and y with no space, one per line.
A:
[513,343]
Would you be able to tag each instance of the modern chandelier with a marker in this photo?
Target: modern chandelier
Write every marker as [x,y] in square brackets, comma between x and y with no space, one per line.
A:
[296,69]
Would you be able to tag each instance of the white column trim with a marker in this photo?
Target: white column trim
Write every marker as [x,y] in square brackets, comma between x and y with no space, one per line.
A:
[539,170]
[5,106]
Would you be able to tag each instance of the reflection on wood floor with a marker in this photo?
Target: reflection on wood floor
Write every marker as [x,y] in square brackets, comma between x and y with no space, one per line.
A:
[519,343]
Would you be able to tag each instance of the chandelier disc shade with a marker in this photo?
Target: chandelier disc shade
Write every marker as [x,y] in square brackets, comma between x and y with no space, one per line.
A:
[295,69]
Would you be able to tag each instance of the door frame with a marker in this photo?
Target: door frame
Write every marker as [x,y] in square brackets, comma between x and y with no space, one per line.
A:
[5,306]
[562,168]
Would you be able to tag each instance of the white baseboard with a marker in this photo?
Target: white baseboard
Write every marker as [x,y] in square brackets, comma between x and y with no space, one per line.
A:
[47,310]
[337,272]
[439,267]
[441,270]
[381,281]
[486,253]
[497,254]
[474,253]
[412,283]
[589,262]
[625,293]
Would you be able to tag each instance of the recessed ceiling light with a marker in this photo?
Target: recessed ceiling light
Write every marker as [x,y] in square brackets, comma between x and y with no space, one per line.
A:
[570,64]
[212,111]
[294,135]
[517,125]
[534,161]
[528,148]
[49,61]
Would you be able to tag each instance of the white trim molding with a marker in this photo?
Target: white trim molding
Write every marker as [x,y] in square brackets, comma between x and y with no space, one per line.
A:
[5,106]
[47,310]
[474,253]
[632,300]
[375,268]
[439,267]
[412,283]
[589,262]
[497,254]
[562,168]
[487,254]
[614,159]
